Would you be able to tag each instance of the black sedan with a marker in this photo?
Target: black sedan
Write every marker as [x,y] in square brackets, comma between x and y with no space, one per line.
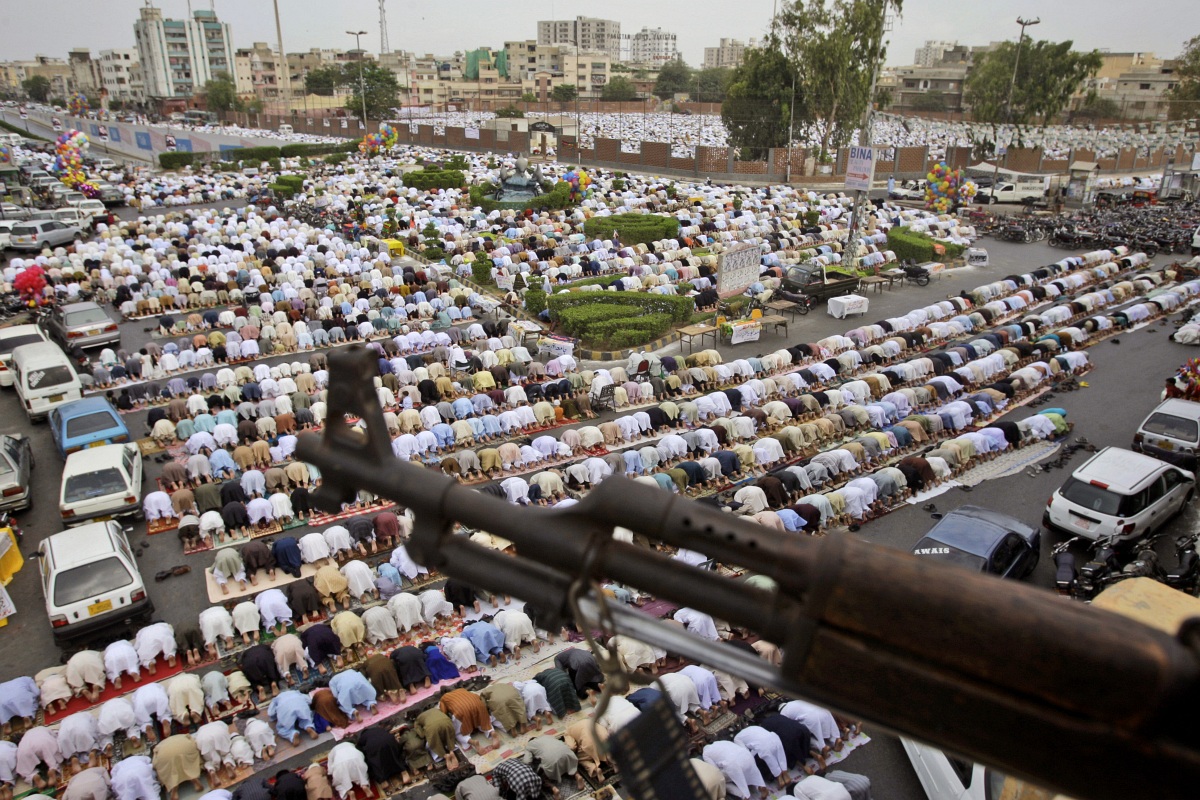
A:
[983,541]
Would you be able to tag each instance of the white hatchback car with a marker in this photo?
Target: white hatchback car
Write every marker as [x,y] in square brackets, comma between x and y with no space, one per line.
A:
[100,483]
[1119,493]
[91,581]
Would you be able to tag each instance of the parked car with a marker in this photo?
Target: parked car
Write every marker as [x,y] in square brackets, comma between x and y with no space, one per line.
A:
[110,195]
[91,581]
[909,190]
[44,378]
[106,164]
[811,282]
[12,211]
[1171,433]
[85,324]
[90,422]
[6,226]
[947,777]
[983,540]
[101,483]
[1119,493]
[16,467]
[11,338]
[35,234]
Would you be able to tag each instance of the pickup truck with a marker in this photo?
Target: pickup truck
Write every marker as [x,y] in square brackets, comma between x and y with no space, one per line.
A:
[808,281]
[1007,192]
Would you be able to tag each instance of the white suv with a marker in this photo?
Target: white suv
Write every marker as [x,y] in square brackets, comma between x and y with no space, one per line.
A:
[91,581]
[1119,493]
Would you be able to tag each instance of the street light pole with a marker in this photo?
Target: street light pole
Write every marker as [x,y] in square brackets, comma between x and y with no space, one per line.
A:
[362,86]
[791,125]
[1024,23]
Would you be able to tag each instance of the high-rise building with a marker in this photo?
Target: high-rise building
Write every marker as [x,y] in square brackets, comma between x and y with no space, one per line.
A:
[930,54]
[589,34]
[178,56]
[119,75]
[652,46]
[728,53]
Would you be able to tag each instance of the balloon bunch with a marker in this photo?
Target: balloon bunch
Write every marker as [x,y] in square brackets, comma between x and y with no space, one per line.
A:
[945,188]
[375,143]
[30,282]
[68,161]
[580,182]
[78,104]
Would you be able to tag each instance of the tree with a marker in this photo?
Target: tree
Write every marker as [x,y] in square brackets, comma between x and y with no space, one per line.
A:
[220,93]
[564,93]
[757,107]
[619,88]
[382,89]
[933,100]
[883,98]
[509,112]
[713,84]
[37,87]
[1098,108]
[834,45]
[1185,97]
[1048,74]
[324,81]
[529,97]
[675,77]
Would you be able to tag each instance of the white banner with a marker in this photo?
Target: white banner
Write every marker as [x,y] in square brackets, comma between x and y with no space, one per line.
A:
[737,268]
[102,132]
[746,331]
[345,122]
[471,133]
[325,121]
[23,112]
[860,169]
[7,609]
[555,346]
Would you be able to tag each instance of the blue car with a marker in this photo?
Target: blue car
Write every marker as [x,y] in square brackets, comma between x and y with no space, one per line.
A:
[983,541]
[90,422]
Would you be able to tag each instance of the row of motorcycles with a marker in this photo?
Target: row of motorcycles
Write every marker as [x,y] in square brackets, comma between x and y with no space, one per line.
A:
[1077,238]
[1108,563]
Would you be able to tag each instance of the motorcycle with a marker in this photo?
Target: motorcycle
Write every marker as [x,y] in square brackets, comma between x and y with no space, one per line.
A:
[1185,576]
[1093,575]
[1065,573]
[916,273]
[7,521]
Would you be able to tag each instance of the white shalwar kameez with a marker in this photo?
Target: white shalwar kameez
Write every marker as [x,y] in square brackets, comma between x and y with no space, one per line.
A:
[407,611]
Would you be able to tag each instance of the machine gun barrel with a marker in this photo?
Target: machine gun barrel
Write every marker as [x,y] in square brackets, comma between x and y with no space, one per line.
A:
[1063,694]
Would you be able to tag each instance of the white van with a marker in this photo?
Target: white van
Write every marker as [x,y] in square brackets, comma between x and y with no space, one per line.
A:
[99,483]
[44,378]
[91,581]
[10,339]
[1171,433]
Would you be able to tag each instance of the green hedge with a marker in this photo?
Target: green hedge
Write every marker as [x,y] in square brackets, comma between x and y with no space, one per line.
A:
[434,179]
[553,199]
[295,181]
[176,159]
[633,228]
[290,150]
[535,301]
[284,190]
[908,243]
[617,319]
[336,158]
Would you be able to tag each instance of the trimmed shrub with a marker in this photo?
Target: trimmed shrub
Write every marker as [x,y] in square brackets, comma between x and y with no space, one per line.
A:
[300,149]
[617,319]
[434,179]
[176,159]
[535,301]
[909,244]
[295,181]
[284,190]
[577,320]
[680,308]
[812,217]
[633,228]
[553,198]
[336,158]
[481,269]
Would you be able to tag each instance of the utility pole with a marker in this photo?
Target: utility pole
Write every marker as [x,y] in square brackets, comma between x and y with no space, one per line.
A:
[362,86]
[791,125]
[287,78]
[864,138]
[1024,23]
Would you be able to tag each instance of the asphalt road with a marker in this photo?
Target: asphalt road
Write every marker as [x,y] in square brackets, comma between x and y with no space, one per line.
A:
[1122,388]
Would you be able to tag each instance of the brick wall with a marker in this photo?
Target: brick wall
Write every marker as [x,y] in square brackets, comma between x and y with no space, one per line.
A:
[656,154]
[1023,159]
[958,157]
[912,159]
[712,159]
[682,164]
[750,167]
[1125,159]
[607,149]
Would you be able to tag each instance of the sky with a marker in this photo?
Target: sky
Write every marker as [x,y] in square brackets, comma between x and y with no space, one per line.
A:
[52,27]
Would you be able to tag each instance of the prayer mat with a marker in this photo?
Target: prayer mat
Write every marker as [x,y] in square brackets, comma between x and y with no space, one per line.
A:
[128,686]
[161,525]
